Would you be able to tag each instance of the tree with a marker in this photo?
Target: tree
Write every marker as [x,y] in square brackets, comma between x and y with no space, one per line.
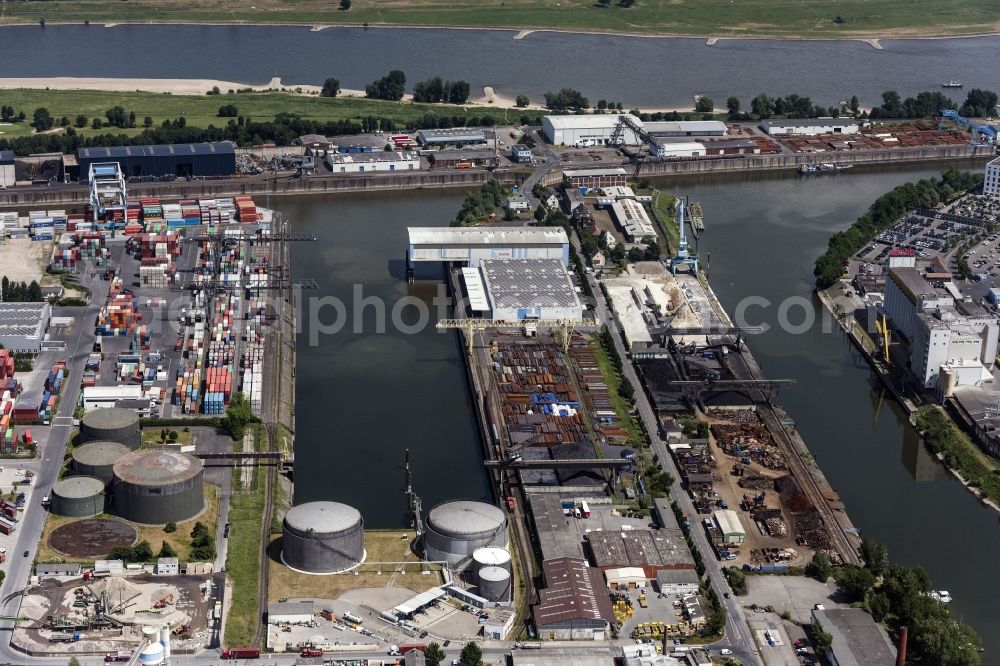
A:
[64,121]
[166,550]
[142,551]
[819,567]
[875,555]
[6,113]
[170,527]
[892,105]
[704,105]
[147,122]
[979,103]
[330,88]
[522,101]
[458,92]
[345,5]
[228,111]
[733,106]
[855,106]
[172,436]
[854,582]
[604,3]
[199,530]
[73,661]
[131,118]
[81,121]
[238,417]
[434,654]
[390,87]
[566,99]
[116,116]
[41,120]
[472,655]
[823,642]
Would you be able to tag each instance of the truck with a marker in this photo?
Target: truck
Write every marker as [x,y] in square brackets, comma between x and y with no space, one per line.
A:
[406,647]
[351,618]
[311,652]
[241,653]
[6,527]
[584,509]
[529,646]
[119,656]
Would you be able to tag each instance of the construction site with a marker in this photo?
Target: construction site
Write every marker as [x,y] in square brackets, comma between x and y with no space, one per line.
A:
[112,614]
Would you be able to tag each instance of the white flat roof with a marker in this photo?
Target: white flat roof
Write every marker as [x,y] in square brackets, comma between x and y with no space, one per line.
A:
[683,145]
[477,292]
[502,236]
[581,173]
[686,126]
[588,120]
[729,522]
[120,392]
[416,603]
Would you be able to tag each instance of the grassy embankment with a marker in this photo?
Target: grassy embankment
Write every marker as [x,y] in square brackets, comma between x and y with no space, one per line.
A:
[782,18]
[202,110]
[960,453]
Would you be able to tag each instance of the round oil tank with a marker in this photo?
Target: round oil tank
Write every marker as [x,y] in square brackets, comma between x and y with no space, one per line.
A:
[111,424]
[456,529]
[491,557]
[157,486]
[151,655]
[98,459]
[494,583]
[323,537]
[78,496]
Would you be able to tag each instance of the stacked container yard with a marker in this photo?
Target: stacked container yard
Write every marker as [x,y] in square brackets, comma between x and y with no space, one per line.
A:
[209,212]
[59,221]
[65,254]
[40,225]
[227,210]
[246,210]
[252,360]
[8,395]
[118,316]
[8,220]
[190,212]
[53,386]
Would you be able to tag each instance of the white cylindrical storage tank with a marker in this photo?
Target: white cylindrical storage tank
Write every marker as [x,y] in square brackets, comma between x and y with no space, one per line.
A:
[152,654]
[323,537]
[456,529]
[494,584]
[165,640]
[491,557]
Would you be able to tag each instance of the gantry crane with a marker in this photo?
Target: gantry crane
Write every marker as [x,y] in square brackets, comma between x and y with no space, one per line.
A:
[683,256]
[883,329]
[977,130]
[470,326]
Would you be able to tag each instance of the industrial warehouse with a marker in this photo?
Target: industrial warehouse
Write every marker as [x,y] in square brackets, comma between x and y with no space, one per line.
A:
[181,160]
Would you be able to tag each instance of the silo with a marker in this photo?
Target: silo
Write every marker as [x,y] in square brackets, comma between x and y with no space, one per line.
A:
[165,640]
[323,537]
[157,486]
[456,529]
[111,424]
[78,497]
[494,583]
[491,557]
[98,459]
[151,655]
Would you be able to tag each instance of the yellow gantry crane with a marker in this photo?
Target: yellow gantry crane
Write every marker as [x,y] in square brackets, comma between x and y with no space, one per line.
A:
[883,329]
[470,326]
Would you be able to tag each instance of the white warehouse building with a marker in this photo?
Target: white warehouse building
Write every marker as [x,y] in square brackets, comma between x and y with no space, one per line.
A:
[366,162]
[809,126]
[587,129]
[517,289]
[991,184]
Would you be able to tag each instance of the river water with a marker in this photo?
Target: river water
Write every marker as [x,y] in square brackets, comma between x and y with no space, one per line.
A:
[649,72]
[364,398]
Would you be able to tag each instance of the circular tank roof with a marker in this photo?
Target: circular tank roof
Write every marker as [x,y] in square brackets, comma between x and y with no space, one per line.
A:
[78,486]
[100,453]
[491,556]
[323,517]
[496,574]
[465,517]
[157,467]
[109,418]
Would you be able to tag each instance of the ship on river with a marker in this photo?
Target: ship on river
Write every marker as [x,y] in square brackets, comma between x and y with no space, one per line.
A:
[824,167]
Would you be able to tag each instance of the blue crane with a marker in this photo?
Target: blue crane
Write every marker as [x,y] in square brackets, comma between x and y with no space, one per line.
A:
[978,131]
[683,257]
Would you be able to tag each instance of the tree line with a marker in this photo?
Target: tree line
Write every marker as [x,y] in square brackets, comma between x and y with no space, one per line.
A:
[434,90]
[882,214]
[479,204]
[20,292]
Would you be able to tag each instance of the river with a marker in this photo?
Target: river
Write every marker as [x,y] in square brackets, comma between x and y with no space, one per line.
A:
[648,72]
[367,397]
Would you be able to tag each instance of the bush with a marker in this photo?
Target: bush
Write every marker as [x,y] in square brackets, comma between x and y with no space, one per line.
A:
[330,88]
[170,527]
[228,111]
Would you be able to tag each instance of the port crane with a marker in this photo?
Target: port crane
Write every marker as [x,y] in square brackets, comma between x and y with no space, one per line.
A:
[683,257]
[470,326]
[978,131]
[627,122]
[883,329]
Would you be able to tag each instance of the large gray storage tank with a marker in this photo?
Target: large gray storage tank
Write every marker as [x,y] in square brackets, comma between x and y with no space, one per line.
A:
[78,497]
[98,459]
[456,529]
[157,486]
[323,537]
[111,424]
[494,583]
[491,557]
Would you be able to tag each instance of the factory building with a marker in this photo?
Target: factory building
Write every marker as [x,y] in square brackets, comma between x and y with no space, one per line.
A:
[730,528]
[178,159]
[78,497]
[675,128]
[316,144]
[455,530]
[157,486]
[97,459]
[650,551]
[461,136]
[463,159]
[472,245]
[597,178]
[574,604]
[111,424]
[732,147]
[680,149]
[323,538]
[7,178]
[102,397]
[516,289]
[809,126]
[291,612]
[857,638]
[953,342]
[371,162]
[23,325]
[632,219]
[991,183]
[587,130]
[54,570]
[677,581]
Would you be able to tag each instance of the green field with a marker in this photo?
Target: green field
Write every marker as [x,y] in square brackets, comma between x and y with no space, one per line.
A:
[785,18]
[202,110]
